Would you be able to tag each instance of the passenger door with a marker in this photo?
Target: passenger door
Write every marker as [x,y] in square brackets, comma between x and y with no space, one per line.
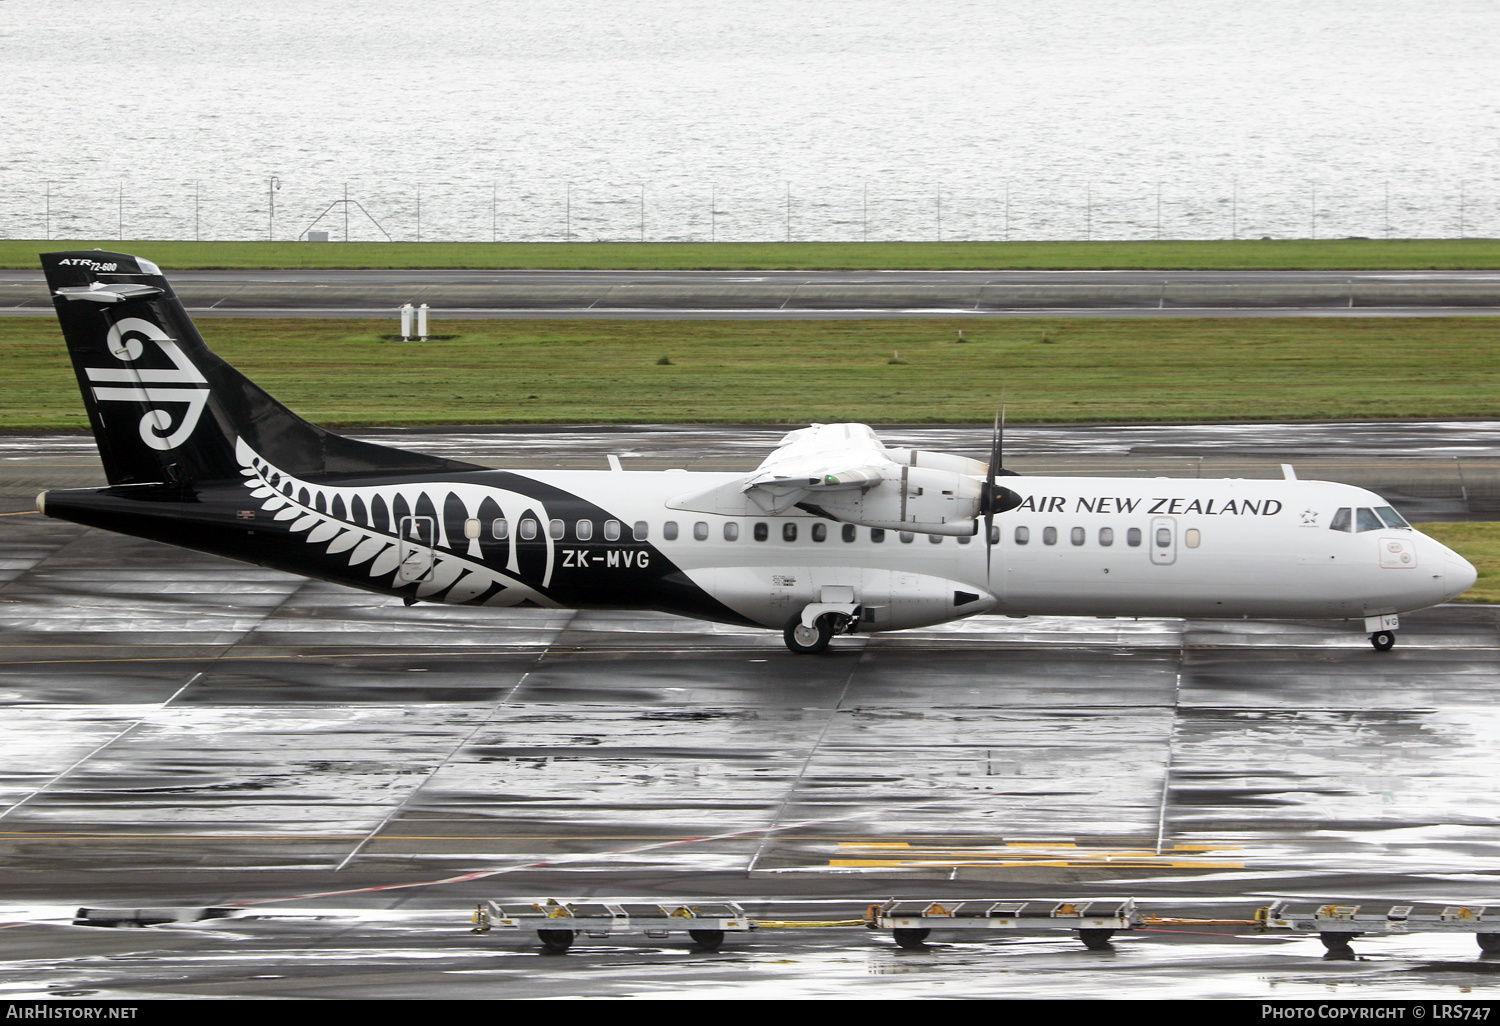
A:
[1163,541]
[414,548]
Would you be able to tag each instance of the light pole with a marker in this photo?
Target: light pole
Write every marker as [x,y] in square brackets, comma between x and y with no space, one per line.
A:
[272,184]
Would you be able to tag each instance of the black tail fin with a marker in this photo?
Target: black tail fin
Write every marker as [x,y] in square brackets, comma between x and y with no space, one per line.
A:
[164,408]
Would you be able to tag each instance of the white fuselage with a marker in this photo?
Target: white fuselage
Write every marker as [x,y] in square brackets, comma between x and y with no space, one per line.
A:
[1076,546]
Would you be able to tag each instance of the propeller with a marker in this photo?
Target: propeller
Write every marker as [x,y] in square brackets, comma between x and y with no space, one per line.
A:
[996,448]
[996,499]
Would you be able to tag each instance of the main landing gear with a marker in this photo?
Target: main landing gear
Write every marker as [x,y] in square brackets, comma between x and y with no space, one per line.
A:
[808,640]
[827,618]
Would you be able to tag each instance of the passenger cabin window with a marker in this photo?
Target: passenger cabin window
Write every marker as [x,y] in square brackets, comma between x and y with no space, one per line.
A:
[731,531]
[1342,520]
[1077,536]
[1366,520]
[584,529]
[1023,536]
[1133,537]
[907,537]
[936,539]
[500,529]
[1163,537]
[762,532]
[1106,536]
[1049,536]
[640,530]
[995,535]
[1391,517]
[528,529]
[611,530]
[849,532]
[964,539]
[700,531]
[1191,538]
[819,532]
[789,531]
[669,530]
[555,529]
[877,534]
[471,528]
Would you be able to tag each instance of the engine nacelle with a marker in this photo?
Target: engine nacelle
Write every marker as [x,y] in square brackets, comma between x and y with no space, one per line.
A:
[938,461]
[913,498]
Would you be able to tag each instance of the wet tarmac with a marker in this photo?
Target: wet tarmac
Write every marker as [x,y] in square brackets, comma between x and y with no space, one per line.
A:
[352,775]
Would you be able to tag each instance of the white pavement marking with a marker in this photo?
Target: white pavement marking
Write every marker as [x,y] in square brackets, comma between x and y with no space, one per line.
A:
[454,750]
[791,790]
[1166,777]
[60,776]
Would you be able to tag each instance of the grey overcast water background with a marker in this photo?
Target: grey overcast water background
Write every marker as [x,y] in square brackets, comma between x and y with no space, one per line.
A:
[691,120]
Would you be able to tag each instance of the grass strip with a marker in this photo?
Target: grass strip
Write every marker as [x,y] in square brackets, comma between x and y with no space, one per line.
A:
[1269,254]
[342,373]
[1479,543]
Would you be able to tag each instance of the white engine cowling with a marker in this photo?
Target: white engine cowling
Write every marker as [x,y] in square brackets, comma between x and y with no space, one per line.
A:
[919,499]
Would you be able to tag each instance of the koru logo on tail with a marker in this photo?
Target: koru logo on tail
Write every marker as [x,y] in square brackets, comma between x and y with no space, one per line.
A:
[180,387]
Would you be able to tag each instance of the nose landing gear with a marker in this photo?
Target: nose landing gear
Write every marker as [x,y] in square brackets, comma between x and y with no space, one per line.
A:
[1382,630]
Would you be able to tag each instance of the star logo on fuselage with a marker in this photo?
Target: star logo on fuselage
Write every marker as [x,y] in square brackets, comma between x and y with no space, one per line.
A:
[1309,518]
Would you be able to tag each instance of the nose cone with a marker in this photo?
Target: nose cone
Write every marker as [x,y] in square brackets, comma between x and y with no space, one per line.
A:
[1459,576]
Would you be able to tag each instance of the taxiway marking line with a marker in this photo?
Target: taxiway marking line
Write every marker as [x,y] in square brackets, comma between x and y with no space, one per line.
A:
[189,836]
[22,513]
[1166,773]
[544,863]
[190,682]
[1016,850]
[1047,863]
[455,749]
[811,752]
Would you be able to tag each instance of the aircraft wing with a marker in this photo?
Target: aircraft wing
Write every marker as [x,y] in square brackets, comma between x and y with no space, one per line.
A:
[820,459]
[845,473]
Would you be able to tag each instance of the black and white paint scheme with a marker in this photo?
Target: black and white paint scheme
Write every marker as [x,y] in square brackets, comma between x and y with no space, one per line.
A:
[835,533]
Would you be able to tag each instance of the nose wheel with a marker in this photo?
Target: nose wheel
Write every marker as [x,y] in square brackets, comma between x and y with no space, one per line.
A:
[1383,641]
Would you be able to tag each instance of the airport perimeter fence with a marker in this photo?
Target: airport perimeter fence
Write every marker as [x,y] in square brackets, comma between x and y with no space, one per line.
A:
[289,208]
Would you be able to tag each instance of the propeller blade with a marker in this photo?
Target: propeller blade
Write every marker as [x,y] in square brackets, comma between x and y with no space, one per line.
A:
[989,493]
[1000,438]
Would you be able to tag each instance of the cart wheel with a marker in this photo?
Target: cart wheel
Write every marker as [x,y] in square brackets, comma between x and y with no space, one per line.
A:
[1338,945]
[555,941]
[910,939]
[708,940]
[1096,940]
[1489,943]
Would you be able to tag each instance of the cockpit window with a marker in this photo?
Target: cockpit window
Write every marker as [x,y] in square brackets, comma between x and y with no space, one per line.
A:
[1342,520]
[1366,520]
[1391,517]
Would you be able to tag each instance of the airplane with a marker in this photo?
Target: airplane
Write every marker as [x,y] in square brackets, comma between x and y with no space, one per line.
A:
[835,533]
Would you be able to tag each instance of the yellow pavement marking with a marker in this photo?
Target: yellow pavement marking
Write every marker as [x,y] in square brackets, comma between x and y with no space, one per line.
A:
[1054,854]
